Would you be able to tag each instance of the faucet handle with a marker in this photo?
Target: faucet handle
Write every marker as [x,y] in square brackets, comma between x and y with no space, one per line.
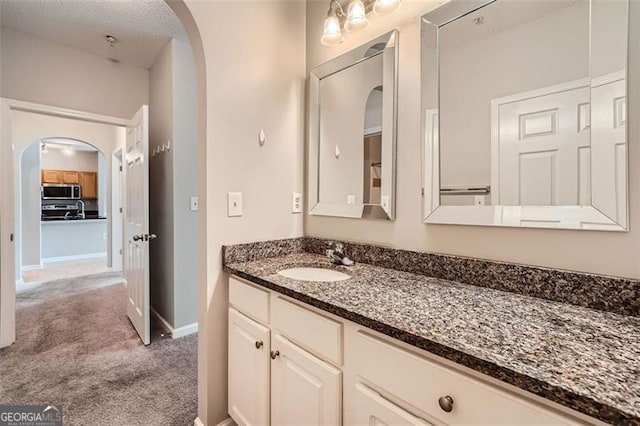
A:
[339,247]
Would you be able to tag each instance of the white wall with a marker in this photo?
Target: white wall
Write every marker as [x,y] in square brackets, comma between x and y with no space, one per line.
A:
[598,252]
[40,71]
[161,185]
[86,161]
[173,180]
[30,200]
[185,184]
[254,51]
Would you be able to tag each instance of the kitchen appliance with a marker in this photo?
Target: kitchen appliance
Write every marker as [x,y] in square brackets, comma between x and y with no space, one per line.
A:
[57,191]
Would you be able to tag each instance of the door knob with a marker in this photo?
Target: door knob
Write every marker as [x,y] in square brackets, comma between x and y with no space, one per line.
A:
[149,237]
[275,354]
[137,237]
[259,344]
[446,403]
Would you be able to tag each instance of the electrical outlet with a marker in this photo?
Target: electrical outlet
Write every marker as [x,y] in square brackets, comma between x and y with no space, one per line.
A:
[234,204]
[193,204]
[351,199]
[296,202]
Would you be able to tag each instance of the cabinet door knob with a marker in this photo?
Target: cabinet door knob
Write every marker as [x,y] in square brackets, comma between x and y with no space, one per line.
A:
[275,354]
[446,403]
[259,344]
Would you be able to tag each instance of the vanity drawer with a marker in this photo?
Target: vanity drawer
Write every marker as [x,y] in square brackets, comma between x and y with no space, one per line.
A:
[314,332]
[249,300]
[421,383]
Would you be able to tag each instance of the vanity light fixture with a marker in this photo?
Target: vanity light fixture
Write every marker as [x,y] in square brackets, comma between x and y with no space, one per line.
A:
[383,7]
[355,19]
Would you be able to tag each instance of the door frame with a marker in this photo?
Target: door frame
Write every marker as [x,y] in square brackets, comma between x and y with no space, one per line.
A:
[116,210]
[8,225]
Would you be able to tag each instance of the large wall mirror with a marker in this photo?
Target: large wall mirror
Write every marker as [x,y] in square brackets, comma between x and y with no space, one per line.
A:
[524,112]
[352,132]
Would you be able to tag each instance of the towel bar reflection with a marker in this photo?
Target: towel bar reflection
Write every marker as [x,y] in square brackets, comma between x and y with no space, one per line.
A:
[466,190]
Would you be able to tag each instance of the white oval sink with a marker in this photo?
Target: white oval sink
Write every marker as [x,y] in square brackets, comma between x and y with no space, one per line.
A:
[314,274]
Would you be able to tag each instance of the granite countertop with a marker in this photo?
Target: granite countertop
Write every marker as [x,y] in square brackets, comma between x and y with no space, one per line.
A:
[584,359]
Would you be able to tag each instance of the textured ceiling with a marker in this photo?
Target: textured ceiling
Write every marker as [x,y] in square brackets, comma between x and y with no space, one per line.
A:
[142,27]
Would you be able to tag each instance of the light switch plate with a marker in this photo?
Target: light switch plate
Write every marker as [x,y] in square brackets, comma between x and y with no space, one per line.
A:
[193,204]
[296,202]
[351,199]
[479,200]
[234,204]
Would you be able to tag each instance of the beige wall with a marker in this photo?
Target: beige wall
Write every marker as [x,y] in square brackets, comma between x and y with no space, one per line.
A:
[598,252]
[254,52]
[40,71]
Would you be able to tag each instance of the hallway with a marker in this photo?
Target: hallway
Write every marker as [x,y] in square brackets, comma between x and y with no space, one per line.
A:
[76,347]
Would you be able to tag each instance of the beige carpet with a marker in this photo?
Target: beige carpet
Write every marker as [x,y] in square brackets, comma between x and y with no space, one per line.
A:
[82,352]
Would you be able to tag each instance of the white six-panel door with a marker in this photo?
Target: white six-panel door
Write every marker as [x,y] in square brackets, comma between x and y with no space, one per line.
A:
[544,150]
[136,247]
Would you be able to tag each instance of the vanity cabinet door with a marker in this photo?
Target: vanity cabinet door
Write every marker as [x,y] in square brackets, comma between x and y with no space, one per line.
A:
[304,389]
[249,346]
[370,408]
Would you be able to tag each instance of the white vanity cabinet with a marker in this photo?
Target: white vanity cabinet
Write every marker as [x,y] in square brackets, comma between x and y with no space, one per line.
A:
[273,380]
[249,349]
[292,364]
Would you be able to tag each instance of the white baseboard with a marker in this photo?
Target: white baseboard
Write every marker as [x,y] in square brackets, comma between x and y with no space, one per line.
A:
[226,422]
[74,257]
[22,286]
[175,332]
[185,330]
[31,267]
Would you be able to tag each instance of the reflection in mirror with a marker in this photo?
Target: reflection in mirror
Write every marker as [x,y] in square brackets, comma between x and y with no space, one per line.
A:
[373,148]
[527,115]
[352,132]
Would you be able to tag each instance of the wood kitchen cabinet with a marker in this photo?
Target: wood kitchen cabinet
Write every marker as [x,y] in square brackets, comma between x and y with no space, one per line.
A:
[70,177]
[89,183]
[51,176]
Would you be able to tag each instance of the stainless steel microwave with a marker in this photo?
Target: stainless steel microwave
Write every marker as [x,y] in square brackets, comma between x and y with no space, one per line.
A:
[57,191]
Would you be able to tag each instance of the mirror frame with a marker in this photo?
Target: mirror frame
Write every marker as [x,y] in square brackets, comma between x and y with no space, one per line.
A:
[389,125]
[546,217]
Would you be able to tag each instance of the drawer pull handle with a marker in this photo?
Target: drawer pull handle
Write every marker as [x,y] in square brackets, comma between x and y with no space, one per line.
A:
[259,344]
[446,403]
[275,354]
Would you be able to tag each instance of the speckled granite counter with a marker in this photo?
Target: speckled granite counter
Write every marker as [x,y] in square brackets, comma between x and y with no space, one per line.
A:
[584,359]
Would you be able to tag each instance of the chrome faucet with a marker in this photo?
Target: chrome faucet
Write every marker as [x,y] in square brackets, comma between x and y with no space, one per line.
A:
[80,205]
[336,255]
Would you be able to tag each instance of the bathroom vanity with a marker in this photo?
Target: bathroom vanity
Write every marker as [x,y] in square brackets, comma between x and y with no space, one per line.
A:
[402,348]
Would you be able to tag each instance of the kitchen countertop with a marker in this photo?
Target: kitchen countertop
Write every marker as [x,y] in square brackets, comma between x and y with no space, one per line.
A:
[584,359]
[92,219]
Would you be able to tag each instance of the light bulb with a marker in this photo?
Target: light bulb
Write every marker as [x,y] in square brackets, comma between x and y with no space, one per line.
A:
[67,151]
[382,7]
[356,17]
[332,34]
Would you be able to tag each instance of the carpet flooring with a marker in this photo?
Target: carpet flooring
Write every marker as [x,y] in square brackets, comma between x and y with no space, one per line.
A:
[75,347]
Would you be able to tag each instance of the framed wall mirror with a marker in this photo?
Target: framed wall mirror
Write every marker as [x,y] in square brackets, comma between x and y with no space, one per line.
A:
[524,113]
[352,132]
